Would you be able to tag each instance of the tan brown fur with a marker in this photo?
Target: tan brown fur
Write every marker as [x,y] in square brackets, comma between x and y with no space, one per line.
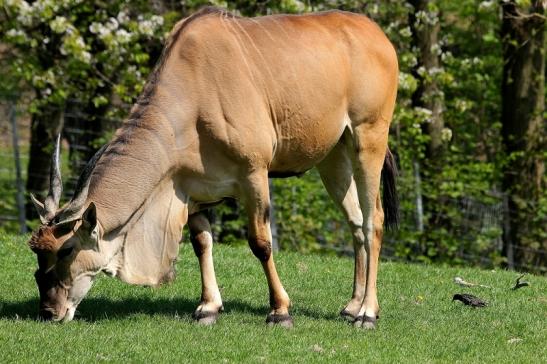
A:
[232,101]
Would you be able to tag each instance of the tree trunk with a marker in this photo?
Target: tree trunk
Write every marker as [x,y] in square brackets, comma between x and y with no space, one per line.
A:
[45,125]
[523,126]
[425,26]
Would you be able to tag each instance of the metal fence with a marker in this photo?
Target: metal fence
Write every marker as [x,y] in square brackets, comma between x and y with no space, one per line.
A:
[13,161]
[476,223]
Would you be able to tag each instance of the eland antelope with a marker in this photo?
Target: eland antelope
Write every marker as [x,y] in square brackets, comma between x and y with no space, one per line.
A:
[231,102]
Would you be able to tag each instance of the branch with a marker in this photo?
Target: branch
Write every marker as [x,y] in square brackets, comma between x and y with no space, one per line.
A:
[512,7]
[102,76]
[522,16]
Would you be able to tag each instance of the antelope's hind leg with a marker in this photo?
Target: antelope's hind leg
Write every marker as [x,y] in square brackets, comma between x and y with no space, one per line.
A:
[256,197]
[336,172]
[370,140]
[202,241]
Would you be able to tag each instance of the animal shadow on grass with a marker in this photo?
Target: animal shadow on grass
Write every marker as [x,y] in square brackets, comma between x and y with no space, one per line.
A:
[96,309]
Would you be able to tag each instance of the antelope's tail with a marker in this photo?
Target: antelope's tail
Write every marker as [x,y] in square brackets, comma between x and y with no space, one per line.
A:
[390,200]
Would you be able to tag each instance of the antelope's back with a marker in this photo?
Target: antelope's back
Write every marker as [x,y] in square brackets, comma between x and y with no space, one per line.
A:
[287,85]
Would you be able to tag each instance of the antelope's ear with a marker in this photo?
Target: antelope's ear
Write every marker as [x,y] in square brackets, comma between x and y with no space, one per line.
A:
[89,218]
[90,227]
[40,209]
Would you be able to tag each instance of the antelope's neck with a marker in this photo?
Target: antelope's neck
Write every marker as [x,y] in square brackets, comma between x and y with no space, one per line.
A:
[138,158]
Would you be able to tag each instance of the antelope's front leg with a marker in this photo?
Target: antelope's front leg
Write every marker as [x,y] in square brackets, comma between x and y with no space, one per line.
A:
[202,241]
[257,203]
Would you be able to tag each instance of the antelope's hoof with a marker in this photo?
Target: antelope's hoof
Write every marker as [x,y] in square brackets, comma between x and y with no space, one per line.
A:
[346,315]
[279,320]
[366,322]
[205,318]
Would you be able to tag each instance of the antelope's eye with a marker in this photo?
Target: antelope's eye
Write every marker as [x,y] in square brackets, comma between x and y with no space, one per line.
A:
[65,252]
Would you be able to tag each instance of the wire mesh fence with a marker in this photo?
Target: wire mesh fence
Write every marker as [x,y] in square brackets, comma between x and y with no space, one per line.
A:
[478,226]
[13,160]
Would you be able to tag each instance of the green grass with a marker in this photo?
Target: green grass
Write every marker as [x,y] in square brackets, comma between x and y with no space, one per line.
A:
[419,322]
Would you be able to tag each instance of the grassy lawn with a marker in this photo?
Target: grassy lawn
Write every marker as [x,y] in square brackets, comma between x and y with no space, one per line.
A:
[419,322]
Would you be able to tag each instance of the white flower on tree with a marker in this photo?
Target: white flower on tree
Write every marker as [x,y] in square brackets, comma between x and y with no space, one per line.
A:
[123,36]
[59,25]
[146,27]
[123,17]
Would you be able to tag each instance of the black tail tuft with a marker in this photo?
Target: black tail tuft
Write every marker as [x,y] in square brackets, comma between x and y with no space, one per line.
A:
[390,200]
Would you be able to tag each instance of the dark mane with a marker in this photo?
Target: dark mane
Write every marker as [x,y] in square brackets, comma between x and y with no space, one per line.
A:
[135,118]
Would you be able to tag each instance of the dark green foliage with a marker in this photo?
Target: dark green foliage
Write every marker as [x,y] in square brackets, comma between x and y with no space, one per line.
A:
[459,188]
[307,219]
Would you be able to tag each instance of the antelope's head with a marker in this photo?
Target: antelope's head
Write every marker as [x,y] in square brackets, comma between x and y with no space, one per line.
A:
[64,245]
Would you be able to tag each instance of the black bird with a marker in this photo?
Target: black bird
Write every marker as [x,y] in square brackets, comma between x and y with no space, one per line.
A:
[520,283]
[469,300]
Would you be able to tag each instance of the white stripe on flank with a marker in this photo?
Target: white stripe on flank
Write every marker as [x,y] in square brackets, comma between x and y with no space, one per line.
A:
[263,29]
[241,49]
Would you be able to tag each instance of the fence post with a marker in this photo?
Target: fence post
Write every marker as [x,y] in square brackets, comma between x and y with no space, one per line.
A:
[273,225]
[20,197]
[507,241]
[419,201]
